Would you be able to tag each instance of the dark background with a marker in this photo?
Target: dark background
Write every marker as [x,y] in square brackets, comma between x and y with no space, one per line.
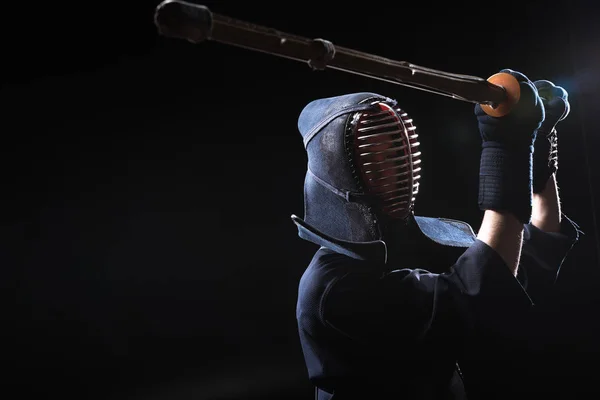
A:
[147,186]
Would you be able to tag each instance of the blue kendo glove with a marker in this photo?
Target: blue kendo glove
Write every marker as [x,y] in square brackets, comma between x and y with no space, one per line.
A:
[506,166]
[545,155]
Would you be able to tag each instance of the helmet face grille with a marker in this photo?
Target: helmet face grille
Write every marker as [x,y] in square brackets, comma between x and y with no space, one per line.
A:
[387,157]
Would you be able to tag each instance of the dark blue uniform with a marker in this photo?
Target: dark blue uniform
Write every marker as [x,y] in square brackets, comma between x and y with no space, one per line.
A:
[372,331]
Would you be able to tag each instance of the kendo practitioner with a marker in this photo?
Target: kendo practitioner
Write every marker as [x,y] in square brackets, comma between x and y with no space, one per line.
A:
[392,303]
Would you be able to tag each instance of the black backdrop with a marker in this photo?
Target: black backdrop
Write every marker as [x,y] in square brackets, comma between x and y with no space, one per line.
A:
[147,185]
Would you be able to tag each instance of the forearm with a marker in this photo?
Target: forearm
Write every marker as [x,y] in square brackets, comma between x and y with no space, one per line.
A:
[546,214]
[503,232]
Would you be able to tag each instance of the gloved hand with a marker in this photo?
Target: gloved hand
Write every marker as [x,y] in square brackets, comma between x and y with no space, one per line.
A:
[545,155]
[506,166]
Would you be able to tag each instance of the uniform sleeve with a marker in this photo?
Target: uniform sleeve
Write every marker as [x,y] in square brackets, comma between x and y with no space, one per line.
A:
[413,305]
[542,256]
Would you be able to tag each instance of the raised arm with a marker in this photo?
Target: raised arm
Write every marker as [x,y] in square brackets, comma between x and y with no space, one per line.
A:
[546,203]
[505,176]
[550,235]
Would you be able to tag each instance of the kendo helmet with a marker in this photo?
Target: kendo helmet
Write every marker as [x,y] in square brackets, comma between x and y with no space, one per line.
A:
[362,180]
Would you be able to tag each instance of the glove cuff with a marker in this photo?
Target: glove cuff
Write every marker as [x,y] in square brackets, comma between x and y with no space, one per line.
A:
[545,159]
[505,180]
